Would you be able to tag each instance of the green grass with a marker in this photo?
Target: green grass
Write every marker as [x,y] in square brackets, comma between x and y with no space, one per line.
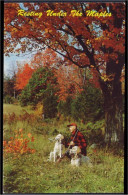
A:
[32,173]
[17,109]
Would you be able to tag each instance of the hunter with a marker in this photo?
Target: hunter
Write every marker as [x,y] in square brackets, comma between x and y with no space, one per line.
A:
[77,139]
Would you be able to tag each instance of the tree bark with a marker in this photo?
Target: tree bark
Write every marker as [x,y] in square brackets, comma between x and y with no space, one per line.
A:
[113,122]
[113,105]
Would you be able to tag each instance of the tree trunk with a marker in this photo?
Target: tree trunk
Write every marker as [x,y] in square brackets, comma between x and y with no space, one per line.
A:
[14,94]
[113,107]
[113,123]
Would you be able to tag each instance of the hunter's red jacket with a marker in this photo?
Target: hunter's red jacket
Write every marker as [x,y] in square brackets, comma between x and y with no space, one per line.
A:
[79,141]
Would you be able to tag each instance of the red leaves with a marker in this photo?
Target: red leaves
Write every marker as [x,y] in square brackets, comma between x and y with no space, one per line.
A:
[70,81]
[23,76]
[95,78]
[19,144]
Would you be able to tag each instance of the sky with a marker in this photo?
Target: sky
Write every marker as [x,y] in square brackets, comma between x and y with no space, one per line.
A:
[10,63]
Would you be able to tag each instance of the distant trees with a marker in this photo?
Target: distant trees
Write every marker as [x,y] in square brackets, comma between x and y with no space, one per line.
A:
[9,91]
[42,87]
[67,90]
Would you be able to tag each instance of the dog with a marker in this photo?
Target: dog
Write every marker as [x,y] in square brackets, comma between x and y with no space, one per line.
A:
[75,157]
[57,151]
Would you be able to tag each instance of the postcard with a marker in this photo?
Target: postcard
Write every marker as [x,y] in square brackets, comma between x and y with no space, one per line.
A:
[63,97]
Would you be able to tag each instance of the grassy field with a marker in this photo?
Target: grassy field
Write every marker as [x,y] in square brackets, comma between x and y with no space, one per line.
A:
[17,109]
[33,173]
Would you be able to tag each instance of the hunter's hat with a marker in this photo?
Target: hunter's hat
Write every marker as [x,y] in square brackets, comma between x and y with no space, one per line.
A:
[72,124]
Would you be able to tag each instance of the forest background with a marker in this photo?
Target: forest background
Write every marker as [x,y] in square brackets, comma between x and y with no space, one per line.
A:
[77,74]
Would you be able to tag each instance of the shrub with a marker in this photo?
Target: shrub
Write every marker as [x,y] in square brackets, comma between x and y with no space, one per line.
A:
[19,143]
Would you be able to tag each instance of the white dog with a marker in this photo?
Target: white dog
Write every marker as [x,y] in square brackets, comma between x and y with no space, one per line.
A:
[75,158]
[57,151]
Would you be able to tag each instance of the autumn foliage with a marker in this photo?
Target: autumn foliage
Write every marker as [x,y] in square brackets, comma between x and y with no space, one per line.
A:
[19,144]
[93,42]
[69,77]
[23,75]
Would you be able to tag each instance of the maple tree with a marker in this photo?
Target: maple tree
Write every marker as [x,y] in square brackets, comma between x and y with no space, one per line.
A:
[23,75]
[86,41]
[47,58]
[70,82]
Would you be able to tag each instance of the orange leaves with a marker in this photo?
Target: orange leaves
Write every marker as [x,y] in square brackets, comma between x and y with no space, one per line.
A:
[23,76]
[46,58]
[70,81]
[19,144]
[32,139]
[4,143]
[47,30]
[120,47]
[20,130]
[29,135]
[91,66]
